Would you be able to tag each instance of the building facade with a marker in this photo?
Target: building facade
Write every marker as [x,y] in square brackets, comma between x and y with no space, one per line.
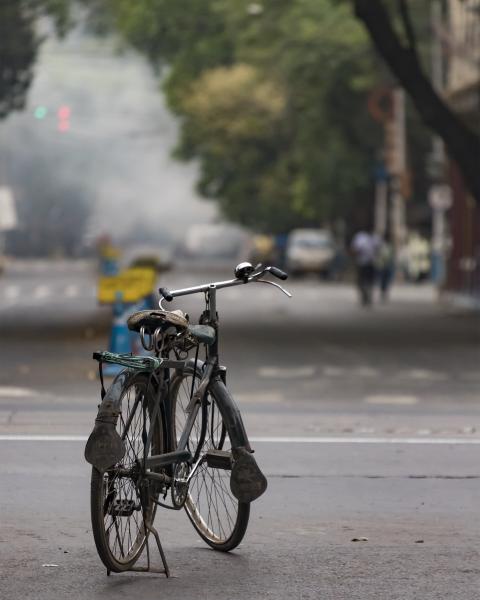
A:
[461,43]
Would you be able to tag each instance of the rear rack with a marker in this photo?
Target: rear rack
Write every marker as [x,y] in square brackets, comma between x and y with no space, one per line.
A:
[138,363]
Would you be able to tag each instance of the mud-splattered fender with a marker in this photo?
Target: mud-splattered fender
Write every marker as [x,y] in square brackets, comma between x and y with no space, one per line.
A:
[104,446]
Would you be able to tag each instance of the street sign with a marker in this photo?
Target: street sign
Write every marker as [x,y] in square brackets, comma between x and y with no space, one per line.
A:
[128,286]
[440,197]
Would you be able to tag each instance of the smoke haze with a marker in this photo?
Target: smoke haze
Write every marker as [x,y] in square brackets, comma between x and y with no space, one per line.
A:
[115,159]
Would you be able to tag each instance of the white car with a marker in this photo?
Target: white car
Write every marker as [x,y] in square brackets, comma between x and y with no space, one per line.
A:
[310,251]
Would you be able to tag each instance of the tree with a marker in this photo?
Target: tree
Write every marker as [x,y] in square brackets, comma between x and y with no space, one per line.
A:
[401,55]
[19,45]
[272,99]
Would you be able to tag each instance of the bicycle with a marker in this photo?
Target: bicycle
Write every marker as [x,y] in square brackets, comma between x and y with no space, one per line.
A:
[169,428]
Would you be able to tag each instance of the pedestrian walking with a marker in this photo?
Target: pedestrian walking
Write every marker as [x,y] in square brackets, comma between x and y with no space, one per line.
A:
[364,246]
[385,266]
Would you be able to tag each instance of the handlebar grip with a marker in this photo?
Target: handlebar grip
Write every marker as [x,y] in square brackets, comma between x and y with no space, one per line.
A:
[278,273]
[165,293]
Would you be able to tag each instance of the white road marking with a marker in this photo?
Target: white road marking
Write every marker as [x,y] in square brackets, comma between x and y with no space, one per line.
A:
[12,292]
[71,291]
[276,440]
[426,375]
[330,371]
[365,372]
[16,392]
[392,400]
[365,440]
[41,292]
[286,372]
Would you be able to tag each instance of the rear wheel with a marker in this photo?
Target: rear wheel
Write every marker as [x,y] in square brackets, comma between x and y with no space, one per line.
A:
[118,519]
[218,517]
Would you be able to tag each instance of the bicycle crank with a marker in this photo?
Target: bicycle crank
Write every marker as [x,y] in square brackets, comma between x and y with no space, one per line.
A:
[179,486]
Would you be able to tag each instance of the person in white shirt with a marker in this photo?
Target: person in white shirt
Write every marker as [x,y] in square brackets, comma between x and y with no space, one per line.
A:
[365,246]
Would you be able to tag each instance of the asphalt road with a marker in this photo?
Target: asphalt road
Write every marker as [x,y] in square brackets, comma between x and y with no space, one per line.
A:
[365,422]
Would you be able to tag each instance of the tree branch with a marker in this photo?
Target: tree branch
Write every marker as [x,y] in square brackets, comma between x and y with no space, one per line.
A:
[408,25]
[463,145]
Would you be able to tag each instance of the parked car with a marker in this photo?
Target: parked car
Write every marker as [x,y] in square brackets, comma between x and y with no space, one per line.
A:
[217,246]
[310,251]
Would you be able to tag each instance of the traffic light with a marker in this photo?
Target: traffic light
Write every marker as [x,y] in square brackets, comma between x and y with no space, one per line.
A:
[40,112]
[63,115]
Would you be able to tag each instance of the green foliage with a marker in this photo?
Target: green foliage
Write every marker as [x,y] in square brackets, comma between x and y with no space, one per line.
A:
[19,44]
[272,97]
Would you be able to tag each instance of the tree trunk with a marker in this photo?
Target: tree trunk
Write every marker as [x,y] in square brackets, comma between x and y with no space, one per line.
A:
[463,145]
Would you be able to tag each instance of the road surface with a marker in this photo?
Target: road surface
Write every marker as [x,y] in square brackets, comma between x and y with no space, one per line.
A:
[365,422]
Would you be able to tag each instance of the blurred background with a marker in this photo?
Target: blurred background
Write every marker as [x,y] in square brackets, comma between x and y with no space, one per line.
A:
[153,143]
[157,143]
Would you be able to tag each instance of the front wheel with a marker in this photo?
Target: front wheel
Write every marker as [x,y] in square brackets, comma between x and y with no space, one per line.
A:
[218,517]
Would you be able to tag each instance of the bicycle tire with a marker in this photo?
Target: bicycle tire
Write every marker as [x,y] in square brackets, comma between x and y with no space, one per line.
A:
[107,486]
[209,431]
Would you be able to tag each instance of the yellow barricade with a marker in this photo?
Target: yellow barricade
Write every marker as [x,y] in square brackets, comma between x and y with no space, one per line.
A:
[133,285]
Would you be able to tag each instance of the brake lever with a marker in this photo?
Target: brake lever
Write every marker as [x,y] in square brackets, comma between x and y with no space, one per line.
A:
[274,284]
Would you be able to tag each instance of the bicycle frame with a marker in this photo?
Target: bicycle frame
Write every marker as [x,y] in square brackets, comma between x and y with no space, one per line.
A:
[209,368]
[213,376]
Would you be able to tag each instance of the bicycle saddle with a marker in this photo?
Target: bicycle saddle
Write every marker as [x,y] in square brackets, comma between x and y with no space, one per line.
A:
[153,319]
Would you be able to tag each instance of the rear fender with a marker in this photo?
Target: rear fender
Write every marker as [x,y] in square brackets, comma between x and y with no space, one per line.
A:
[104,446]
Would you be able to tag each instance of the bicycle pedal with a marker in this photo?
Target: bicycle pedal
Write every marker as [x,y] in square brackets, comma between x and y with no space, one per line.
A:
[123,508]
[247,482]
[219,459]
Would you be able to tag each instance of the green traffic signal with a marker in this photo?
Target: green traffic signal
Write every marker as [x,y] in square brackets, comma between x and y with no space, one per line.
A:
[40,112]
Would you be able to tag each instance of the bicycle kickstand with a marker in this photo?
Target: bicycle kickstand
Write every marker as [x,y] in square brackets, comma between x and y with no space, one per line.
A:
[166,570]
[151,529]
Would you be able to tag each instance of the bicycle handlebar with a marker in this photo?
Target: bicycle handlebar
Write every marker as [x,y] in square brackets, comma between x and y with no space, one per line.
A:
[278,273]
[275,271]
[166,294]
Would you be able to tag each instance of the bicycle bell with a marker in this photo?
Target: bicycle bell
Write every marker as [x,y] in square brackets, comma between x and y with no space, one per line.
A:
[243,270]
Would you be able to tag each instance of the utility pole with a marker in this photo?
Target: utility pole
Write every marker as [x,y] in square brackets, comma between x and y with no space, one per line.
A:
[439,193]
[397,167]
[387,106]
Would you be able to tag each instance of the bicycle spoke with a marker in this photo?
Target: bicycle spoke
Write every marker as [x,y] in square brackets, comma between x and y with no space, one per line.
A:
[214,511]
[124,528]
